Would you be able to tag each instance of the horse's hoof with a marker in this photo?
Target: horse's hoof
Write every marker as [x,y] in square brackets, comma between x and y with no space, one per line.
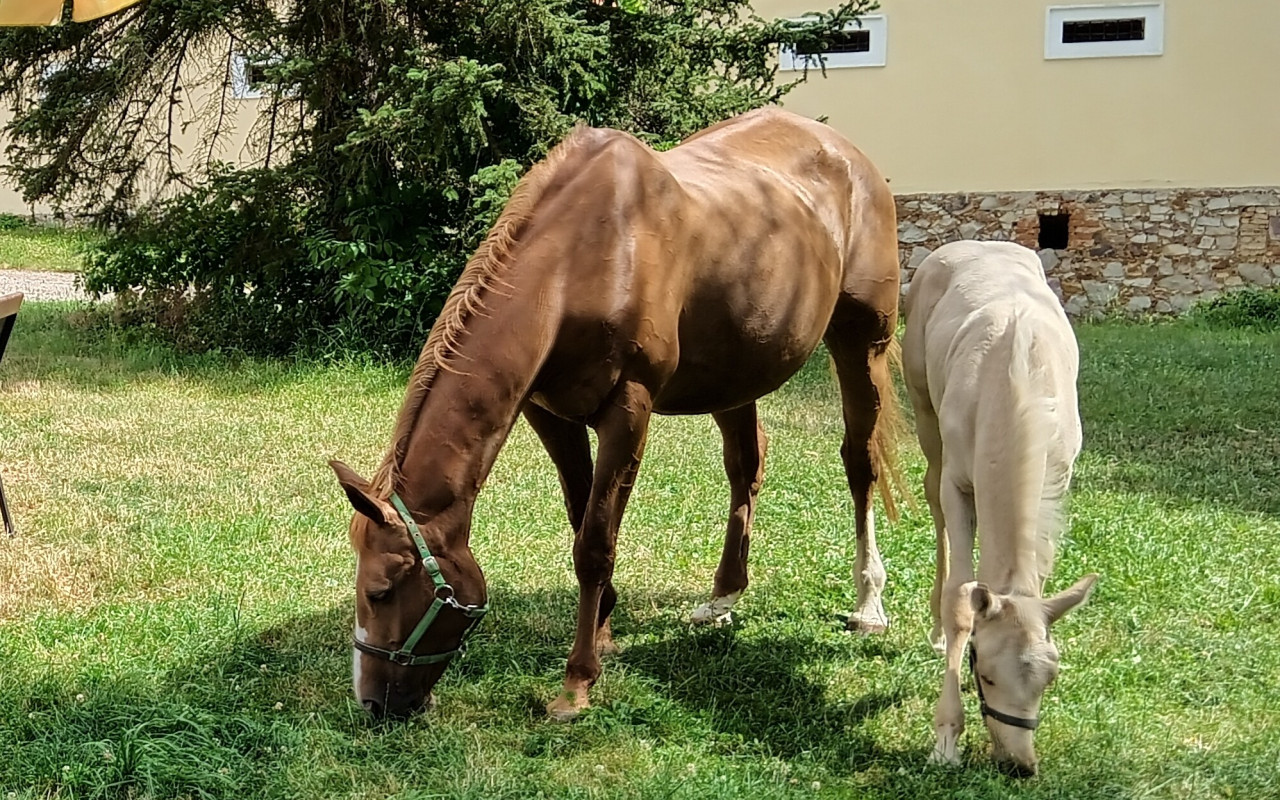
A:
[705,615]
[566,707]
[866,624]
[718,612]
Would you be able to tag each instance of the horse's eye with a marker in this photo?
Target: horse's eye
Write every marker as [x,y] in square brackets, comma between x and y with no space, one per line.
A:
[378,596]
[987,680]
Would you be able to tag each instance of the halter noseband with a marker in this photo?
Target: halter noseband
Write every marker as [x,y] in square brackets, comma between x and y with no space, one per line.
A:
[988,711]
[443,597]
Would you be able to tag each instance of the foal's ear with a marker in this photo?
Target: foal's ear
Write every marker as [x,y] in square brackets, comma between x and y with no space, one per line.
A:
[1056,607]
[358,492]
[985,603]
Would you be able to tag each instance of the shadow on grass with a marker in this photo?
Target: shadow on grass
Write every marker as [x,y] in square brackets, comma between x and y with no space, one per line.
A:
[211,727]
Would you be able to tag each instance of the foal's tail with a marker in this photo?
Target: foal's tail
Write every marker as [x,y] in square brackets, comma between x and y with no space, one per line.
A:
[889,432]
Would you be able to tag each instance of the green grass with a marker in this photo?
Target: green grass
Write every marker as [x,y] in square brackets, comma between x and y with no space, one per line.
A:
[174,616]
[36,247]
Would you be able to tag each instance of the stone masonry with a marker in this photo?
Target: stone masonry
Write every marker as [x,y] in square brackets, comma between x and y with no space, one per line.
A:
[1136,252]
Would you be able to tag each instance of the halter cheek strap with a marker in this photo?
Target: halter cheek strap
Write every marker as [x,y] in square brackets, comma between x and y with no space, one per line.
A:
[1025,723]
[443,597]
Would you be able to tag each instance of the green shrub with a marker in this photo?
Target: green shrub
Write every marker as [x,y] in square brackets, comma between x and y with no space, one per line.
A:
[1249,309]
[395,133]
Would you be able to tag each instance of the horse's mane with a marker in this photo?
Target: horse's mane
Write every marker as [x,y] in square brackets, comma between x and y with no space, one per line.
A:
[482,273]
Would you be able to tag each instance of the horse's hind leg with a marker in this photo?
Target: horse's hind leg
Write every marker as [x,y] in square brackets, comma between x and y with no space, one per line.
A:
[744,451]
[862,368]
[570,450]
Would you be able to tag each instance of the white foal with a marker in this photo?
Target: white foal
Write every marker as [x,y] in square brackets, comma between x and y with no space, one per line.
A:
[991,363]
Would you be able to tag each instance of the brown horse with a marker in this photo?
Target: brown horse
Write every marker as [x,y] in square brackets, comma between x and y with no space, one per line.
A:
[620,282]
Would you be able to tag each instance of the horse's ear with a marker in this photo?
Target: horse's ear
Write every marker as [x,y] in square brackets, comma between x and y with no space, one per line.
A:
[1056,607]
[984,602]
[358,492]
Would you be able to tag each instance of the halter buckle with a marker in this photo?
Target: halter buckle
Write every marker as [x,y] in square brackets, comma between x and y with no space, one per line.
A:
[401,657]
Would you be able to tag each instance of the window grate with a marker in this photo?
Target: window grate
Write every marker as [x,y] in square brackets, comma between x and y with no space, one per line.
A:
[1104,30]
[855,41]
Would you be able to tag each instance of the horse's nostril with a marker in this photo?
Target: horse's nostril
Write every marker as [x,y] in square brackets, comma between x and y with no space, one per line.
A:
[373,707]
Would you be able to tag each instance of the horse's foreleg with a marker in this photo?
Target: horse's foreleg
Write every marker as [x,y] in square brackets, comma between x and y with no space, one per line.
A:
[570,449]
[622,429]
[744,452]
[957,616]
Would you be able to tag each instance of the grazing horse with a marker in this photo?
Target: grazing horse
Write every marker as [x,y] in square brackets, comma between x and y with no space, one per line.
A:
[990,363]
[621,282]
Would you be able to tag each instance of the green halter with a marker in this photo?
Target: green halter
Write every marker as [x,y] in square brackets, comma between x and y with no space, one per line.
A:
[443,597]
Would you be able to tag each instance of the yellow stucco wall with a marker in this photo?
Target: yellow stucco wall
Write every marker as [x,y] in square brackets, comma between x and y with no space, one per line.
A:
[234,145]
[968,102]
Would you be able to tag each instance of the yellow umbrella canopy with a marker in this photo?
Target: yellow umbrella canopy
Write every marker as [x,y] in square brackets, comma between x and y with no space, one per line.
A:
[49,12]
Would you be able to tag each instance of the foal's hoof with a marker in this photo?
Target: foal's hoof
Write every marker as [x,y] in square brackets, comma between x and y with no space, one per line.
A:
[866,624]
[607,648]
[567,706]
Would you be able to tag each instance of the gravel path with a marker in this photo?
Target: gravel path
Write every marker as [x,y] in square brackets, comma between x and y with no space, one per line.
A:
[41,285]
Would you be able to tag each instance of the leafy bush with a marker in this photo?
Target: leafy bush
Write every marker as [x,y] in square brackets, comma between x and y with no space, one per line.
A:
[392,134]
[1249,309]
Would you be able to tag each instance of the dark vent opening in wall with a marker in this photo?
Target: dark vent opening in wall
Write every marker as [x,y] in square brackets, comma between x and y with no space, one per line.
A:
[1054,231]
[855,41]
[1104,30]
[255,75]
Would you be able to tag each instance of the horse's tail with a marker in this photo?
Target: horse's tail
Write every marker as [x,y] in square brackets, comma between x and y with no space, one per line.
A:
[889,432]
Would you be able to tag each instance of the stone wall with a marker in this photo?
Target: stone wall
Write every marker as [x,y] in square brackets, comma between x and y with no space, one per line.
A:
[1132,251]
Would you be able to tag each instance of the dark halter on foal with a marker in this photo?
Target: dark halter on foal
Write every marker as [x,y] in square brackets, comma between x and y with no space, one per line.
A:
[443,597]
[988,711]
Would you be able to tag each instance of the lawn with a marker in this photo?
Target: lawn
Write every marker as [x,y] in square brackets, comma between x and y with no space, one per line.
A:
[37,247]
[174,616]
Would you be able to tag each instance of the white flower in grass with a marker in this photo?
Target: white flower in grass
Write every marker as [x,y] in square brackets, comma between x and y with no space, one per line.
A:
[80,698]
[279,706]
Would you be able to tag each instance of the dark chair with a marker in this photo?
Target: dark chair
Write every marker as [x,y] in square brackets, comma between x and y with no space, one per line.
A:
[9,305]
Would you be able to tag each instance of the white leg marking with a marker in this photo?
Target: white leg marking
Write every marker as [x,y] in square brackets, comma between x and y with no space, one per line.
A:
[717,612]
[939,640]
[869,617]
